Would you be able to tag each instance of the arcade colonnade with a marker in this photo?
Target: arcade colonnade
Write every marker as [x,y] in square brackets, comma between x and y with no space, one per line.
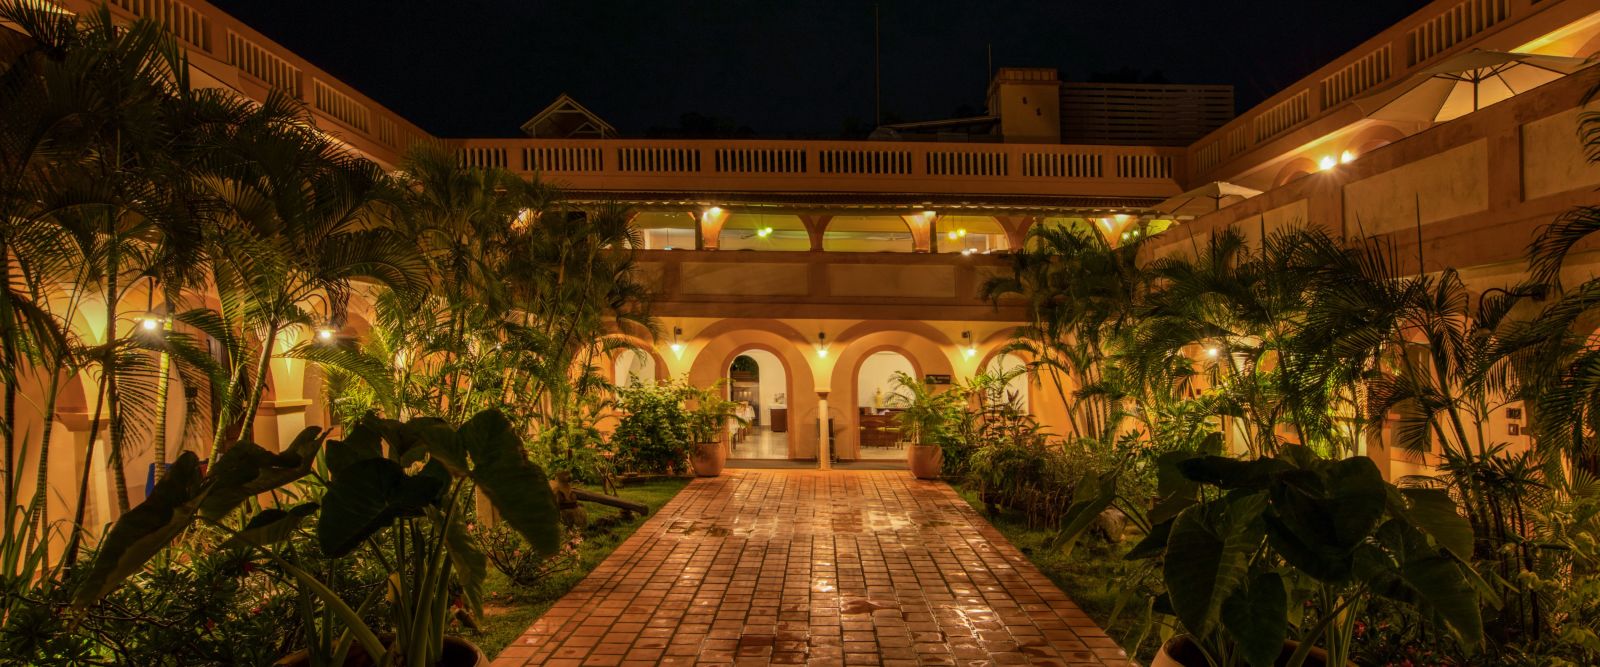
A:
[822,373]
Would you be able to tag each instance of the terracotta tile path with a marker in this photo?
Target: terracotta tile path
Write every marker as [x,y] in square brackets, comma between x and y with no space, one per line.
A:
[803,567]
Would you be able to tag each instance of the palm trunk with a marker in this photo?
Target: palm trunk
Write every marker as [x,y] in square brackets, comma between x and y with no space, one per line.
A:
[159,448]
[258,389]
[113,397]
[41,497]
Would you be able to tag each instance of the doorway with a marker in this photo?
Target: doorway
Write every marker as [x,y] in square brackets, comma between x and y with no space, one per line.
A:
[878,405]
[756,379]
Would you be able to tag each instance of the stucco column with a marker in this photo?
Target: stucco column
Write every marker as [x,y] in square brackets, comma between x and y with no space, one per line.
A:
[824,443]
[1016,227]
[923,227]
[709,228]
[816,226]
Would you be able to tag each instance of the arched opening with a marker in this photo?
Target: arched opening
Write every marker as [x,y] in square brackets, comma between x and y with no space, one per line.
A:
[879,400]
[632,367]
[757,380]
[867,233]
[972,235]
[759,231]
[662,230]
[1295,170]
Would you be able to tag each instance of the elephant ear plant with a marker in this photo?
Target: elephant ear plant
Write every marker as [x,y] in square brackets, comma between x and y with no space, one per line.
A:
[400,490]
[1255,553]
[403,492]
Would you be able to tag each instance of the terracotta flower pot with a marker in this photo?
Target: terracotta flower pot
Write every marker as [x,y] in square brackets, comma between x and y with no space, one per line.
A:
[925,461]
[1180,651]
[458,652]
[708,459]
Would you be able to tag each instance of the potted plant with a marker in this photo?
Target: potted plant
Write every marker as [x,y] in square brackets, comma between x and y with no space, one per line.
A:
[708,427]
[924,417]
[1273,561]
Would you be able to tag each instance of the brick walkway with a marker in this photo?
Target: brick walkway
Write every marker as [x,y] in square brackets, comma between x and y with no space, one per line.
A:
[803,567]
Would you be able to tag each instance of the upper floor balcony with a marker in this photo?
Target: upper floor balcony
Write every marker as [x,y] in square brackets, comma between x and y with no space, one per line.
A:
[804,174]
[1324,102]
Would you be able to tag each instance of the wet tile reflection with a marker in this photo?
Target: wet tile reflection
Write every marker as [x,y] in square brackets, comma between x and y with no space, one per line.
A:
[803,567]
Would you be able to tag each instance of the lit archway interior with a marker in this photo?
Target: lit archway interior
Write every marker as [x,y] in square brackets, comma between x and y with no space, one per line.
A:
[972,234]
[878,403]
[664,230]
[633,367]
[756,380]
[867,233]
[760,231]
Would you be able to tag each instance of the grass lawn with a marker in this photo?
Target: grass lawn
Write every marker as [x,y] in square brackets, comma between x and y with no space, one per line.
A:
[508,610]
[1093,575]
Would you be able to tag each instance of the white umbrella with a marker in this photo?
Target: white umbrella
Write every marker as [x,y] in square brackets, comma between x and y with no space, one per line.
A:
[1465,83]
[1205,199]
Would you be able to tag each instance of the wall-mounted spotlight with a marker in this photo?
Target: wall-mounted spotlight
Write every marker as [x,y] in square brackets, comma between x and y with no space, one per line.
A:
[677,345]
[822,344]
[969,349]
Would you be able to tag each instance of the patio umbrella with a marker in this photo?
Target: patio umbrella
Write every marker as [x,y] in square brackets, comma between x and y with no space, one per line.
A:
[1465,83]
[1205,199]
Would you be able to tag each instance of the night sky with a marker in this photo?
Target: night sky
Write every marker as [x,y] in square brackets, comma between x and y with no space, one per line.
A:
[800,68]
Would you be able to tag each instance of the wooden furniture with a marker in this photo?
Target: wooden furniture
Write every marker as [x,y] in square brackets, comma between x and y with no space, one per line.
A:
[880,430]
[780,420]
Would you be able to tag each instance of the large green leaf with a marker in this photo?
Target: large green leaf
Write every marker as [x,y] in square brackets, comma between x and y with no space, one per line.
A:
[367,496]
[1435,513]
[1256,616]
[1401,565]
[360,443]
[518,489]
[271,526]
[246,470]
[145,530]
[1335,505]
[1208,554]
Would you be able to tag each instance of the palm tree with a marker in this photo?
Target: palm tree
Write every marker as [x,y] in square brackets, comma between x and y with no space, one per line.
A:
[1082,294]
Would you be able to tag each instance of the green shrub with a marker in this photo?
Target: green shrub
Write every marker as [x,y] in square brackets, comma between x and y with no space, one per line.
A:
[653,435]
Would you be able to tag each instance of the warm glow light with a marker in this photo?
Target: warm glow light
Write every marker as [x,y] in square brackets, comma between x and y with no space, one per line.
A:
[1121,218]
[951,235]
[764,232]
[1346,157]
[1211,352]
[677,349]
[969,251]
[1327,162]
[325,334]
[929,214]
[715,210]
[970,352]
[150,324]
[822,352]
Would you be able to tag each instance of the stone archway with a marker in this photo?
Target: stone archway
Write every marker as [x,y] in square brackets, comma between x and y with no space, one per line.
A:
[928,351]
[726,339]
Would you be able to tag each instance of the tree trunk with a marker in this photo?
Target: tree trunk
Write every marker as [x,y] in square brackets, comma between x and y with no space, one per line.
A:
[263,368]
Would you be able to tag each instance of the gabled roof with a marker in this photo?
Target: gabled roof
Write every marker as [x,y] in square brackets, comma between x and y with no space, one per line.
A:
[566,119]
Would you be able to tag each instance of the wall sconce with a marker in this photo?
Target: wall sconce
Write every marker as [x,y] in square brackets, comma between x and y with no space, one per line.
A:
[1347,157]
[764,232]
[971,349]
[327,332]
[822,344]
[677,346]
[1327,162]
[1211,352]
[152,321]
